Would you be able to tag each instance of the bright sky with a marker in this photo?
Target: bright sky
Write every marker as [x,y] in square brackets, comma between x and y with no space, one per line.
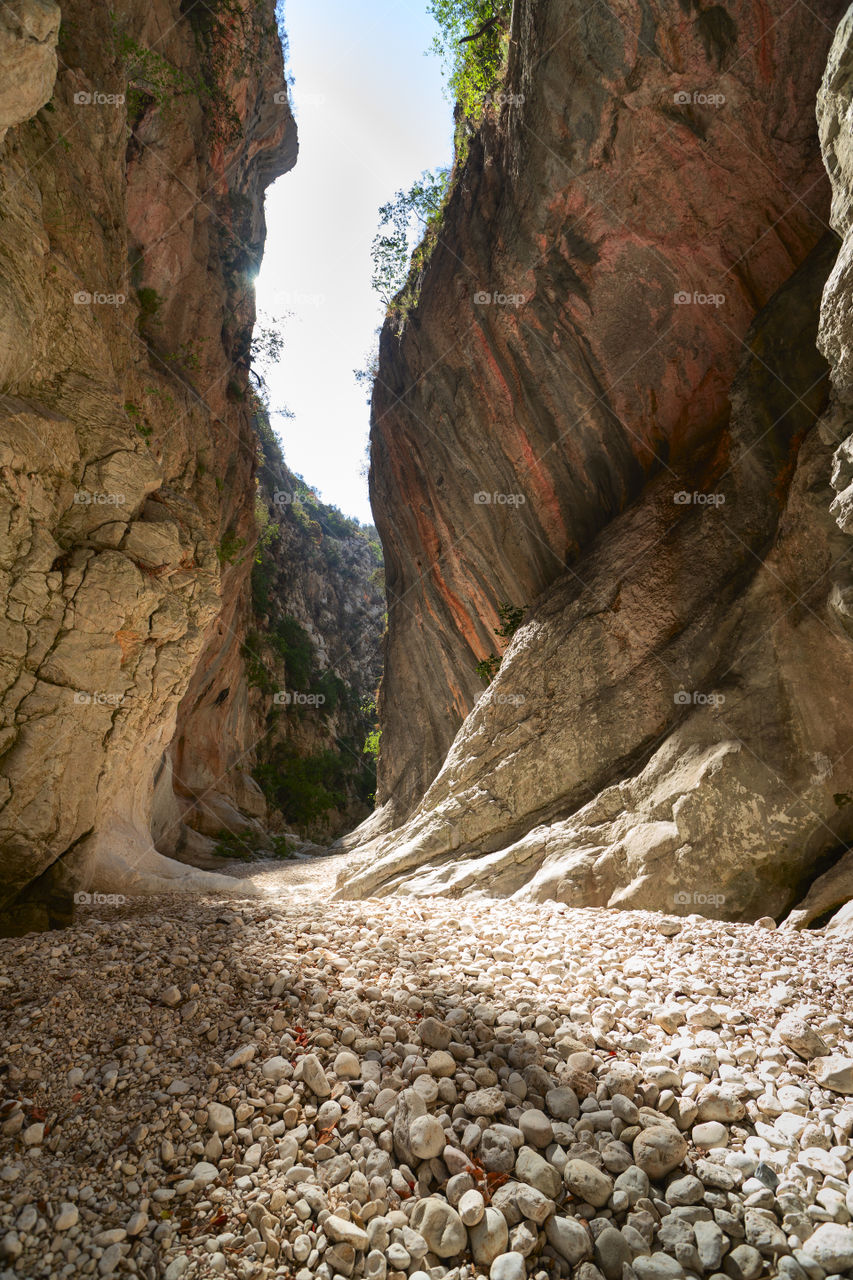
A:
[372,116]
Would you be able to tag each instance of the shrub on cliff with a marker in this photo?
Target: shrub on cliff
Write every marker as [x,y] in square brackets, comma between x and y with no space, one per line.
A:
[472,45]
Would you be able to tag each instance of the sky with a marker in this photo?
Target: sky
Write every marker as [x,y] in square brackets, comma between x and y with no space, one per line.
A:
[372,116]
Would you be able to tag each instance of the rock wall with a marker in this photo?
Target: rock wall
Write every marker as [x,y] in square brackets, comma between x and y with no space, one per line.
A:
[668,730]
[569,340]
[132,224]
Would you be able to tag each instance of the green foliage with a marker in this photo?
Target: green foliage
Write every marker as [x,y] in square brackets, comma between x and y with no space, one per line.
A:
[151,77]
[249,846]
[511,617]
[472,67]
[303,787]
[371,743]
[405,222]
[267,345]
[295,647]
[150,303]
[258,675]
[367,374]
[268,531]
[229,547]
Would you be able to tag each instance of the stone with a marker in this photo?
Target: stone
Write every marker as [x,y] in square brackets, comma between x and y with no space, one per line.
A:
[612,1253]
[203,1174]
[796,1033]
[347,1066]
[275,1069]
[220,1119]
[508,1266]
[68,1217]
[440,1225]
[569,1238]
[441,1064]
[684,1191]
[658,1266]
[658,1150]
[488,1238]
[341,1230]
[426,1137]
[743,1263]
[310,1070]
[587,1183]
[710,1244]
[471,1207]
[434,1034]
[710,1135]
[536,1128]
[241,1057]
[485,1102]
[833,1072]
[831,1246]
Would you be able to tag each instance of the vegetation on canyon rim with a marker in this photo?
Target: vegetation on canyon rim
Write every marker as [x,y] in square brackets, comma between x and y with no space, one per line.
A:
[472,43]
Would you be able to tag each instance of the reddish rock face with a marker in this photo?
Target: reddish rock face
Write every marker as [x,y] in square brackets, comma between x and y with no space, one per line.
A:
[652,181]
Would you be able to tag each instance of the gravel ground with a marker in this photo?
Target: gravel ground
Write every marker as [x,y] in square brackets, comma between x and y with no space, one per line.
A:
[287,1086]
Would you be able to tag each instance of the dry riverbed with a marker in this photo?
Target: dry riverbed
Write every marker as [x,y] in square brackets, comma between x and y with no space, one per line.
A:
[288,1086]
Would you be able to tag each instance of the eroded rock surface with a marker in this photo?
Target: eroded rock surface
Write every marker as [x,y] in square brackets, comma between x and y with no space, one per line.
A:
[668,729]
[581,319]
[132,221]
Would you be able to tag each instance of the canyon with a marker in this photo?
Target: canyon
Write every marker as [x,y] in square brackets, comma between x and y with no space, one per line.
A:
[572,999]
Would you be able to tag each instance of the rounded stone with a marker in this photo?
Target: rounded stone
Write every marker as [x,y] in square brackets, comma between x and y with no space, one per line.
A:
[658,1150]
[587,1183]
[612,1252]
[489,1237]
[220,1119]
[441,1226]
[508,1266]
[441,1064]
[536,1127]
[426,1137]
[831,1246]
[710,1135]
[347,1066]
[471,1207]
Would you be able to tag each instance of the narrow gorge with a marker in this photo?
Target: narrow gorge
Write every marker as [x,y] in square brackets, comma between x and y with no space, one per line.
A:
[466,895]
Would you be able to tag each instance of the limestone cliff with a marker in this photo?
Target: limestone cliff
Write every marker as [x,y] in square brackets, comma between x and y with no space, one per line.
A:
[131,225]
[272,730]
[612,410]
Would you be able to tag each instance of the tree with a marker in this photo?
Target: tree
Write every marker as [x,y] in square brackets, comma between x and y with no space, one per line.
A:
[404,221]
[471,44]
